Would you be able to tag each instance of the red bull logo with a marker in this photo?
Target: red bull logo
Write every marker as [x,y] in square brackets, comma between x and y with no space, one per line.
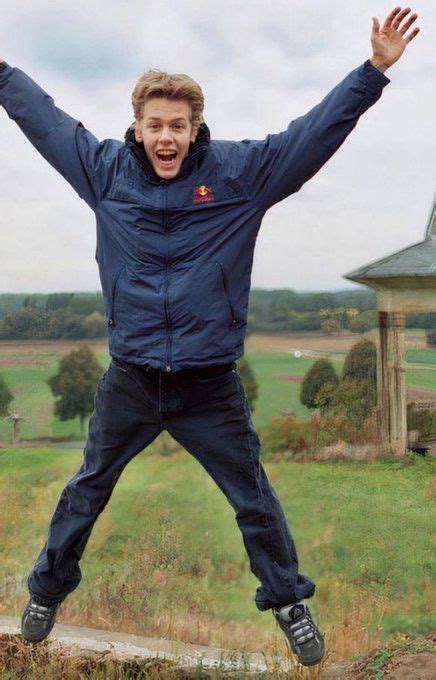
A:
[203,194]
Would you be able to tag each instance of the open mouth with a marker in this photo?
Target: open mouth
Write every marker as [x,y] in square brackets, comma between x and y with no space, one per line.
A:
[166,159]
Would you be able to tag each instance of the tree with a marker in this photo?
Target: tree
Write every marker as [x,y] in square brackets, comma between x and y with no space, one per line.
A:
[30,302]
[94,326]
[64,324]
[365,321]
[361,362]
[249,380]
[75,385]
[58,301]
[25,324]
[6,397]
[320,373]
[331,325]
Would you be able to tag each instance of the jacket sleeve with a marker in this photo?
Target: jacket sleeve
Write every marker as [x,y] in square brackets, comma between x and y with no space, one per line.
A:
[63,141]
[279,165]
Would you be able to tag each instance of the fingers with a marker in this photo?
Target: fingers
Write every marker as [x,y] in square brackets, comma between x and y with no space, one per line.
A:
[391,16]
[408,24]
[394,19]
[412,35]
[399,18]
[375,26]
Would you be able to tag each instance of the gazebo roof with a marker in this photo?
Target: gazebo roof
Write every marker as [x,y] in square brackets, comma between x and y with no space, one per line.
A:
[417,260]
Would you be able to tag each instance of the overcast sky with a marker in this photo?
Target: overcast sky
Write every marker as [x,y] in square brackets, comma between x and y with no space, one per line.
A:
[260,64]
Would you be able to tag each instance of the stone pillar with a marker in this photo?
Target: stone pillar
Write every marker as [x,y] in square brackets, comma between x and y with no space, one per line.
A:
[398,326]
[383,416]
[16,420]
[397,383]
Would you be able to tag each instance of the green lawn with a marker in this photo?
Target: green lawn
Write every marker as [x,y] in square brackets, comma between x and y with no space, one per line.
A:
[34,401]
[168,540]
[361,529]
[421,356]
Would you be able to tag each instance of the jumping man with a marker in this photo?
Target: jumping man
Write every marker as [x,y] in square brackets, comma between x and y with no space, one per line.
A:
[177,218]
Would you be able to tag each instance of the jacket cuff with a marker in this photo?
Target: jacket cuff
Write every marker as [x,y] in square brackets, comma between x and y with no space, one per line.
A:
[374,79]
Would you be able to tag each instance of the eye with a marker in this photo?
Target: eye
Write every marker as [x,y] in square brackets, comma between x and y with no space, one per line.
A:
[179,126]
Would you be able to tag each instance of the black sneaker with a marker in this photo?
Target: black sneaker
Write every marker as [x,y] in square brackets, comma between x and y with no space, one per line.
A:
[37,621]
[304,636]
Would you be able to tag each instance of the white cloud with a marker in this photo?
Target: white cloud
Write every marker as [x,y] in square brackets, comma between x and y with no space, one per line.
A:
[260,65]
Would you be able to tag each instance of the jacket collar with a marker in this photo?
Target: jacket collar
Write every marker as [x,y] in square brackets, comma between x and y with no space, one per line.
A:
[195,154]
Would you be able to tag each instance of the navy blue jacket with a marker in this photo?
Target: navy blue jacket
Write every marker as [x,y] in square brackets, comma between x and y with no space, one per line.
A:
[175,256]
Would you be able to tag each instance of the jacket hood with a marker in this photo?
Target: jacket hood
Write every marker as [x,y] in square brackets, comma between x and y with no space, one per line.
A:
[195,153]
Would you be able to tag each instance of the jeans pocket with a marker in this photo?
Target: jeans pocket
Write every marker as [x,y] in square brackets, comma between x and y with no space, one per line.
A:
[122,365]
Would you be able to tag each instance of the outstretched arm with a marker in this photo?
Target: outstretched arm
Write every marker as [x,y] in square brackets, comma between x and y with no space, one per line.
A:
[282,163]
[63,141]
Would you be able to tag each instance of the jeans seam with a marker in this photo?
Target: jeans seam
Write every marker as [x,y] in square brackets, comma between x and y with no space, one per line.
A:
[248,442]
[138,384]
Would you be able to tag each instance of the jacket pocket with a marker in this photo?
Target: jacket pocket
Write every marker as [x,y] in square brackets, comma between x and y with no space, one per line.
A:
[236,321]
[111,317]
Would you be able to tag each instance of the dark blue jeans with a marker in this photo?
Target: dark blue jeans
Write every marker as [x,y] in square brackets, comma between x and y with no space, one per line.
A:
[207,412]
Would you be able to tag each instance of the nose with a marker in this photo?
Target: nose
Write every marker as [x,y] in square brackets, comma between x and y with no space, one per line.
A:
[165,135]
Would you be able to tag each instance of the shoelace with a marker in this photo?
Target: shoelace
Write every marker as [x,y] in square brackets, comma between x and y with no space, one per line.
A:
[302,630]
[38,611]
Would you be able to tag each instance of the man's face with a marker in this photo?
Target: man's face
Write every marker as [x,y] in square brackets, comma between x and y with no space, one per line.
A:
[165,127]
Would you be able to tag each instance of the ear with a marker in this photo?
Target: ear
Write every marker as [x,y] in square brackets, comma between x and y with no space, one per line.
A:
[138,132]
[194,134]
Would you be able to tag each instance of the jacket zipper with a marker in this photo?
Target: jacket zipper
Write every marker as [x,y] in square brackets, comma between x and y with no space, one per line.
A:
[232,311]
[111,320]
[167,280]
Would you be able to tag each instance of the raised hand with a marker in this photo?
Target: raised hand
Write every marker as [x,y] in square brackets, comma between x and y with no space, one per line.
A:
[389,41]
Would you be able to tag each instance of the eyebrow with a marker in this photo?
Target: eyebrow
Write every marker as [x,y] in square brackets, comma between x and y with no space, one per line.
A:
[174,120]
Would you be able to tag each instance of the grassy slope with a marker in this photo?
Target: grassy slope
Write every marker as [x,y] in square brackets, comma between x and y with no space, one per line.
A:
[361,530]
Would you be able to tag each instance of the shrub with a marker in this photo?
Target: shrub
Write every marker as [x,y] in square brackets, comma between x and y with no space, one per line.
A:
[355,400]
[286,432]
[423,420]
[321,372]
[361,362]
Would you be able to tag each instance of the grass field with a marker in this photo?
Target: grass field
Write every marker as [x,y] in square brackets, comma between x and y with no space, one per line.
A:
[166,557]
[27,365]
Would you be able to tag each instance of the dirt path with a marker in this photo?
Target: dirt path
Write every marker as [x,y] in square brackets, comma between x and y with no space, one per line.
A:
[92,641]
[91,647]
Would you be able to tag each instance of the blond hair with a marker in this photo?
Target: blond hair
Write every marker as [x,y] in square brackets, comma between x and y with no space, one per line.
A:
[176,86]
